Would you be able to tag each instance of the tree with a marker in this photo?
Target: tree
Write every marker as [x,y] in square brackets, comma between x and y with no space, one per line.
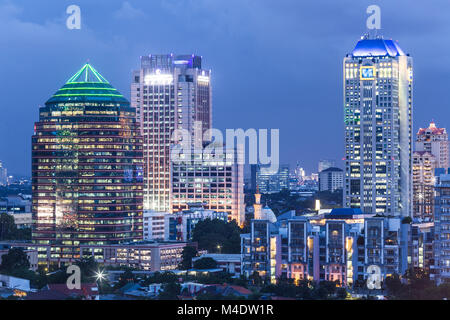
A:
[217,236]
[88,267]
[170,291]
[8,227]
[188,253]
[15,260]
[205,263]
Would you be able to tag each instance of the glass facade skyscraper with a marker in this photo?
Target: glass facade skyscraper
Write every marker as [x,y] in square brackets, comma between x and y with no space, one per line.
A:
[378,127]
[87,168]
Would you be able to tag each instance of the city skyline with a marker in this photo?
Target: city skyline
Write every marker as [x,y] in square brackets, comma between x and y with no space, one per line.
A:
[234,69]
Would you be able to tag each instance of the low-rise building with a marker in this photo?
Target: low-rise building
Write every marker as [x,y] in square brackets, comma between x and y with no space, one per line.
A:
[230,263]
[145,255]
[344,245]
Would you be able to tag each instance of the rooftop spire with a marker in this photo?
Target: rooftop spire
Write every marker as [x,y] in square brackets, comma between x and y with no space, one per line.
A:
[87,74]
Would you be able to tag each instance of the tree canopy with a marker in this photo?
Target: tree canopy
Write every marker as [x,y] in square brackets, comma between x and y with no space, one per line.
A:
[205,263]
[217,236]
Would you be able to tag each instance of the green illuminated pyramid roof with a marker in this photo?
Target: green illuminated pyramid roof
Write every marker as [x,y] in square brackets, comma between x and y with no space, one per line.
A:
[87,85]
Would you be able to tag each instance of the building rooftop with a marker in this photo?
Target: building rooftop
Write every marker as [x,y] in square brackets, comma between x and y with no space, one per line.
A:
[377,48]
[87,85]
[331,169]
[431,129]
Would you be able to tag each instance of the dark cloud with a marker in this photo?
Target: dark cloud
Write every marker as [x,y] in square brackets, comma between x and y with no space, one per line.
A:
[276,63]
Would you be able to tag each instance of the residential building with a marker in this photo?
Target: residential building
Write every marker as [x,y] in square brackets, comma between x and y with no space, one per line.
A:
[423,179]
[442,230]
[272,182]
[344,245]
[3,175]
[378,80]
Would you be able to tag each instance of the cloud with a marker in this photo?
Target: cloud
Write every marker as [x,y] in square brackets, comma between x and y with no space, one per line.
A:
[128,12]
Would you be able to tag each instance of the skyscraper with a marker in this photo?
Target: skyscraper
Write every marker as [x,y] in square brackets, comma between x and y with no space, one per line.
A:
[431,153]
[86,168]
[378,123]
[169,92]
[435,141]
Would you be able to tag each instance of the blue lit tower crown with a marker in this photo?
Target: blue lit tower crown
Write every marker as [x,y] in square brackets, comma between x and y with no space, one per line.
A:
[378,127]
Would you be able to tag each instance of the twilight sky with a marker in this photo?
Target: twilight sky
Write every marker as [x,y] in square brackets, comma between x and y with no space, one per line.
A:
[275,63]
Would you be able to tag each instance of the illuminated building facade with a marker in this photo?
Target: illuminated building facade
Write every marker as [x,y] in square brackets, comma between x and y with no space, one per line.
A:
[86,168]
[424,164]
[343,245]
[378,124]
[169,92]
[442,230]
[214,179]
[435,141]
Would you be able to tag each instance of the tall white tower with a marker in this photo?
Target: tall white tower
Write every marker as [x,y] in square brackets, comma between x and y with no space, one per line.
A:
[378,127]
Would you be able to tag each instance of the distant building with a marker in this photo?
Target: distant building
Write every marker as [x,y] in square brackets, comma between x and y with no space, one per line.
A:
[423,179]
[331,179]
[19,207]
[272,182]
[31,253]
[435,141]
[3,175]
[325,164]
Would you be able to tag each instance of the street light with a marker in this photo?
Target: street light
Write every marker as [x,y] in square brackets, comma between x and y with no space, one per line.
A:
[219,248]
[99,275]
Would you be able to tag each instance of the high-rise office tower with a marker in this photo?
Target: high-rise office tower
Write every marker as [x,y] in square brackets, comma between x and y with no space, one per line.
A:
[87,168]
[435,141]
[169,92]
[378,123]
